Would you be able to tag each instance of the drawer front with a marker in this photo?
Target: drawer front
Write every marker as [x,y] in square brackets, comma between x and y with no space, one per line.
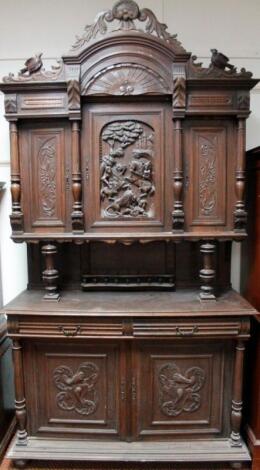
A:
[72,390]
[114,327]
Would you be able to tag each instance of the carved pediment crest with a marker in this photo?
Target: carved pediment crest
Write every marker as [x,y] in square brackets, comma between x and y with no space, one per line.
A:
[33,70]
[219,67]
[127,16]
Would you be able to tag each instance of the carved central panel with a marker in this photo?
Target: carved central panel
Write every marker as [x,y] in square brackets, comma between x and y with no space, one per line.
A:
[47,176]
[179,392]
[77,390]
[208,174]
[126,170]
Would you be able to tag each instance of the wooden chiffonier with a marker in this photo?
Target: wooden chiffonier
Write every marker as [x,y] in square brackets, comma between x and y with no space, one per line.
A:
[127,180]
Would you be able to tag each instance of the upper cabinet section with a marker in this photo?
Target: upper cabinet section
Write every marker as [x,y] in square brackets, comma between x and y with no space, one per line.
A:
[128,137]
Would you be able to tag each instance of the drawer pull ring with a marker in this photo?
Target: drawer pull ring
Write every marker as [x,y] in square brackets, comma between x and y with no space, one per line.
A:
[182,331]
[73,331]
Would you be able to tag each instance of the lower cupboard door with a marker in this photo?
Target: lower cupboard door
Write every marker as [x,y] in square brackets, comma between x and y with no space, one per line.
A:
[182,390]
[73,390]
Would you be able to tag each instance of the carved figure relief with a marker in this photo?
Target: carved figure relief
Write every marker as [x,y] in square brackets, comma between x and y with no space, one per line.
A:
[47,176]
[178,392]
[207,174]
[77,390]
[126,170]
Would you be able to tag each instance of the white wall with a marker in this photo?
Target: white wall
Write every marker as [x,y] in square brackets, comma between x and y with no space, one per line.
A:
[30,26]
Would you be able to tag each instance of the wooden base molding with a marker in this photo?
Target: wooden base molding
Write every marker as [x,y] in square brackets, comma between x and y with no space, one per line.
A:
[109,451]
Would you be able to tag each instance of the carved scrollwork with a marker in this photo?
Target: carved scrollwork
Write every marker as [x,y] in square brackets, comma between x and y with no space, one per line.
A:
[10,104]
[126,79]
[196,70]
[207,175]
[178,392]
[39,75]
[47,176]
[125,13]
[126,173]
[77,390]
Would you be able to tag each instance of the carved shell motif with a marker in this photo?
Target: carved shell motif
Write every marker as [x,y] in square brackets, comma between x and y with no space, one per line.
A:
[126,79]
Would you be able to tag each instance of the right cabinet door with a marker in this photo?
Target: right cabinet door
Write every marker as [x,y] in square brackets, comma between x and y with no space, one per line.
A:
[209,172]
[182,389]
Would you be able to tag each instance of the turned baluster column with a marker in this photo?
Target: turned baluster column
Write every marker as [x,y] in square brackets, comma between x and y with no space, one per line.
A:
[207,273]
[20,404]
[16,217]
[240,214]
[50,275]
[77,214]
[178,213]
[237,403]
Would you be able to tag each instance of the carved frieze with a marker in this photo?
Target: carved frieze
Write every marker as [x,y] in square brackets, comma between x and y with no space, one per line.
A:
[77,389]
[47,176]
[179,392]
[126,170]
[207,174]
[40,74]
[126,79]
[125,15]
[196,70]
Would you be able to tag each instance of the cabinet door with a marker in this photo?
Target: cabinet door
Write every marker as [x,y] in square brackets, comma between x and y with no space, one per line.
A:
[181,390]
[74,389]
[45,176]
[126,150]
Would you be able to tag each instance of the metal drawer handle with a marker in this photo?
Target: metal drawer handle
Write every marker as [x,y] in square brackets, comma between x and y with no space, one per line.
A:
[73,331]
[186,331]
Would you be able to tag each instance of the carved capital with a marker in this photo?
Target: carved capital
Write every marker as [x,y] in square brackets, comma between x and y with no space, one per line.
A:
[11,104]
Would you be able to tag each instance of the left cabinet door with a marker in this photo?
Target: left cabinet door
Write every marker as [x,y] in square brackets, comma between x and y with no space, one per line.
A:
[74,389]
[44,150]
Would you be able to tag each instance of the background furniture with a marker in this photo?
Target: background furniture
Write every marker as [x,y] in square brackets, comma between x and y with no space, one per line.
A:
[251,270]
[128,175]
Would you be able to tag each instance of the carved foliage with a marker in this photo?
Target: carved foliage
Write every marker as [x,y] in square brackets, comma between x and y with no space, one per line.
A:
[207,174]
[126,173]
[10,104]
[126,79]
[77,390]
[47,176]
[39,75]
[179,392]
[73,94]
[179,92]
[126,13]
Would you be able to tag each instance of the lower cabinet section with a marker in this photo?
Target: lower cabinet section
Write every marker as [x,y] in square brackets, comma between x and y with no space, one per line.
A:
[129,390]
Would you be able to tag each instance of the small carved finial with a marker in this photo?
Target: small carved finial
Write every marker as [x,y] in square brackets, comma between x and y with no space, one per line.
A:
[32,65]
[220,60]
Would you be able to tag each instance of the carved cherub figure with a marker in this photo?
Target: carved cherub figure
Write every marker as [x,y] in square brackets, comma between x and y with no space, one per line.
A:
[220,60]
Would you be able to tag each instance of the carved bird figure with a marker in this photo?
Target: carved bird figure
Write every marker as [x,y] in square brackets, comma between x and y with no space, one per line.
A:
[32,65]
[220,60]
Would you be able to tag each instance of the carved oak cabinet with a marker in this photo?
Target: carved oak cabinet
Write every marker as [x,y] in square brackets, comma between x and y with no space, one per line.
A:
[127,181]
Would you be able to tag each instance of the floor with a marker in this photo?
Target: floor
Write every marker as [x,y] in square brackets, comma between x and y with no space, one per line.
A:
[7,465]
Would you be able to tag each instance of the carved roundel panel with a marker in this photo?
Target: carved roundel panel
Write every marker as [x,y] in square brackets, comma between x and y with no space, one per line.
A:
[127,185]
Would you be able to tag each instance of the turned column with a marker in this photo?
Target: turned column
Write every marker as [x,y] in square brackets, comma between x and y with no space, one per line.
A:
[20,404]
[237,403]
[207,273]
[178,212]
[77,214]
[240,215]
[16,216]
[50,274]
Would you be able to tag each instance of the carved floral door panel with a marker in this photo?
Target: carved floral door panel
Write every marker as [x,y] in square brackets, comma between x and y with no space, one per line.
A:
[45,167]
[77,389]
[179,390]
[126,159]
[209,171]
